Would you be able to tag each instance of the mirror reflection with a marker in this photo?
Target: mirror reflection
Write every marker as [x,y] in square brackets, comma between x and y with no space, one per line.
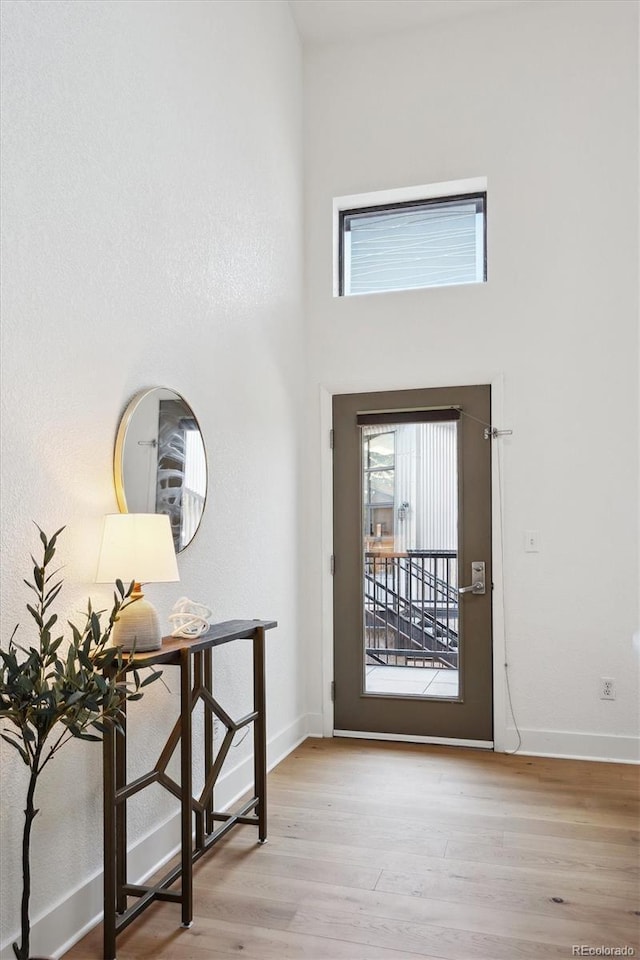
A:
[160,462]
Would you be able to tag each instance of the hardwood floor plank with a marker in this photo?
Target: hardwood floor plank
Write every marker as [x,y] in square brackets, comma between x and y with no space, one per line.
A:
[270,861]
[542,897]
[448,823]
[281,851]
[576,808]
[212,939]
[340,923]
[534,918]
[503,878]
[616,850]
[608,870]
[389,833]
[441,824]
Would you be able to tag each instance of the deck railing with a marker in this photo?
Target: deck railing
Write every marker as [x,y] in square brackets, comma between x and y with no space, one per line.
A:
[411,608]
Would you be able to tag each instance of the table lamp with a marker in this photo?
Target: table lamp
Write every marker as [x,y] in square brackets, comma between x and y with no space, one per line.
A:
[138,547]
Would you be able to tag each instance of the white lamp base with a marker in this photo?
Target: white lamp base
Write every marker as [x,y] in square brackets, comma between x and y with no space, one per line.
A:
[137,626]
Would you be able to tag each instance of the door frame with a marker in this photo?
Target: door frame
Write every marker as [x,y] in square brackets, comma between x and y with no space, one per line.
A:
[326,394]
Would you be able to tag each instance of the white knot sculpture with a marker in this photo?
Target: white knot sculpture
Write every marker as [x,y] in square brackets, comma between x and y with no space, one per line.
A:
[190,619]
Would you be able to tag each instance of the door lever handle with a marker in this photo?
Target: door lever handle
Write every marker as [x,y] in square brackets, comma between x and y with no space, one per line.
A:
[477,579]
[472,588]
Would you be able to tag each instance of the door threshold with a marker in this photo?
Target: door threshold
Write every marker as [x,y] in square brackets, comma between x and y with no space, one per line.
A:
[409,738]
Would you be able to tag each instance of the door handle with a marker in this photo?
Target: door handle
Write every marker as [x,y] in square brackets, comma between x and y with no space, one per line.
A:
[477,584]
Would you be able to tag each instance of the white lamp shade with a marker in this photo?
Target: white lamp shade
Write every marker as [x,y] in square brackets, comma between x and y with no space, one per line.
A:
[137,546]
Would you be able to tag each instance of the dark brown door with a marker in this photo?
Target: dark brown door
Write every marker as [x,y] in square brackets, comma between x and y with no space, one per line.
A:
[412,531]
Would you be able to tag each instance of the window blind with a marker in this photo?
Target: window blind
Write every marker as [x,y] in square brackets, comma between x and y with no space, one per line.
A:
[435,243]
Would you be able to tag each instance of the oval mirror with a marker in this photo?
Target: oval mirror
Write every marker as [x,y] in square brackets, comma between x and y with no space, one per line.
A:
[160,464]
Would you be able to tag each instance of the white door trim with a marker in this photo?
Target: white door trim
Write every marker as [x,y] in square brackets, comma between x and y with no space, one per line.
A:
[498,480]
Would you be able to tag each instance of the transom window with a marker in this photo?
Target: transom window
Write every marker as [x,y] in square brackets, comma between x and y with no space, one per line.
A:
[413,244]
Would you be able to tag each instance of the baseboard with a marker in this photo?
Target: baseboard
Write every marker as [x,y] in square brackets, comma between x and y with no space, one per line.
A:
[566,745]
[76,913]
[315,721]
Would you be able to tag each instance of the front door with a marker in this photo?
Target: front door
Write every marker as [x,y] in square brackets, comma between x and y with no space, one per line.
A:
[412,546]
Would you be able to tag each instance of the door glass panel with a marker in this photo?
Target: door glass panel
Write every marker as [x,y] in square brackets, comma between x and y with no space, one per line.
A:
[410,544]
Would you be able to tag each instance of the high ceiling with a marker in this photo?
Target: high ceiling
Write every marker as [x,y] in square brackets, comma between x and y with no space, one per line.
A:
[331,20]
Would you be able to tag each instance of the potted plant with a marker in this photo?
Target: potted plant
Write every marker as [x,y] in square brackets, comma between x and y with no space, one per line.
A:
[51,694]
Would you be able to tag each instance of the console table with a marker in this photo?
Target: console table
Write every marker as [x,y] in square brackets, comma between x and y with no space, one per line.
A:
[194,659]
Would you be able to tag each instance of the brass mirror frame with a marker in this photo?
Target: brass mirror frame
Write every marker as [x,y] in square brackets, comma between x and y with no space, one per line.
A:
[118,456]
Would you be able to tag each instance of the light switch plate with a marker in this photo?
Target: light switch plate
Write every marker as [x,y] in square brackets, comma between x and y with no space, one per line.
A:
[531,541]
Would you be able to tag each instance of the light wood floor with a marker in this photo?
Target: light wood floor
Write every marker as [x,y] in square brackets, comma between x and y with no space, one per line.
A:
[383,851]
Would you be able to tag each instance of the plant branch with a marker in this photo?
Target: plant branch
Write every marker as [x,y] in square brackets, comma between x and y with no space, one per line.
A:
[83,689]
[64,737]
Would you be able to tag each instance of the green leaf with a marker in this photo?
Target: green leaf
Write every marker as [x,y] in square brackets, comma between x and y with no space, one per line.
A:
[36,616]
[52,594]
[55,644]
[86,645]
[107,657]
[150,679]
[9,659]
[84,659]
[52,540]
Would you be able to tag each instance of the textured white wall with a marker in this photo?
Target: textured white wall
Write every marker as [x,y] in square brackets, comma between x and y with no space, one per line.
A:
[541,99]
[152,207]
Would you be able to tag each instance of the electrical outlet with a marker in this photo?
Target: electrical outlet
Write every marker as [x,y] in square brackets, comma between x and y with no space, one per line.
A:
[607,688]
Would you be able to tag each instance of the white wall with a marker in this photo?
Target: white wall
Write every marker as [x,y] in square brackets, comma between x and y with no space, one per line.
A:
[541,99]
[152,216]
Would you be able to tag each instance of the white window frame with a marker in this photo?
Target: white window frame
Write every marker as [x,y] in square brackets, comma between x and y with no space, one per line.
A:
[431,191]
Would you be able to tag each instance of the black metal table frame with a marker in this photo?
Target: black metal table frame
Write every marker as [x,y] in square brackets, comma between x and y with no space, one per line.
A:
[194,657]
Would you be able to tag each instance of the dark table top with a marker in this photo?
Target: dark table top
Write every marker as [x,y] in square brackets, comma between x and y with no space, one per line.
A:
[217,634]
